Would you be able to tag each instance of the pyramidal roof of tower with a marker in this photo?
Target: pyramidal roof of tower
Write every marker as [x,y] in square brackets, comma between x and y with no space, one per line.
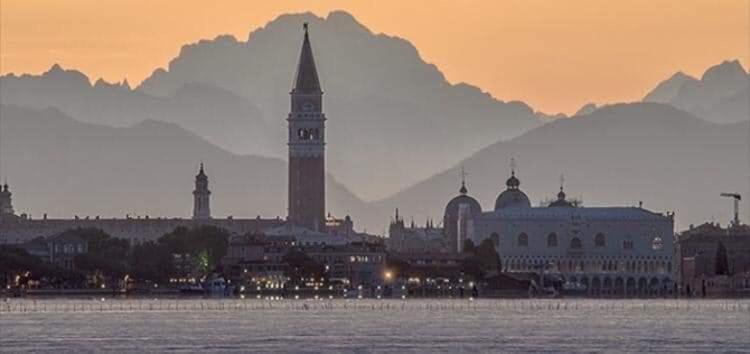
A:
[306,78]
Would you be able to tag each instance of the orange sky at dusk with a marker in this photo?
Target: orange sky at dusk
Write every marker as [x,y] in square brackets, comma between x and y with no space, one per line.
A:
[554,55]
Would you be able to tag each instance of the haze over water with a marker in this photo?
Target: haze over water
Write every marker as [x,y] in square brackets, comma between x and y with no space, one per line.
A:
[558,325]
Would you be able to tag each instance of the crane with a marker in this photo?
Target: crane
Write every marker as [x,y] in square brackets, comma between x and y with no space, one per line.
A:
[737,197]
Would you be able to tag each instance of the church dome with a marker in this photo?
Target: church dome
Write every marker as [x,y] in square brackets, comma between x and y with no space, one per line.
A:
[451,210]
[512,197]
[561,198]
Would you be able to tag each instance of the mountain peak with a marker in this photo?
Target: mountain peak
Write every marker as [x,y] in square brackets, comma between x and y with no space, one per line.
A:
[586,109]
[55,68]
[668,89]
[73,77]
[727,70]
[343,18]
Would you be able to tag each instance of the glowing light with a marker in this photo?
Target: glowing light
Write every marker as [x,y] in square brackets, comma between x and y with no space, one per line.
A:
[388,275]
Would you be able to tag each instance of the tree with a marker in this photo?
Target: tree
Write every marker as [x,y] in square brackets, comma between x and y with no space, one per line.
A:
[152,261]
[488,256]
[207,244]
[106,254]
[469,246]
[17,261]
[102,244]
[481,259]
[722,263]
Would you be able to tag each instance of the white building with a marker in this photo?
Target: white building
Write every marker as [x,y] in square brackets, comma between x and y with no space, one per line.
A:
[609,250]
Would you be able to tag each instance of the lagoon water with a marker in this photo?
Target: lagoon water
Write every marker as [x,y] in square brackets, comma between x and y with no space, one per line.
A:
[414,325]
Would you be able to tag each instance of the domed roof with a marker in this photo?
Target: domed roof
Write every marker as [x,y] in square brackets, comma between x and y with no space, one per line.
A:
[512,198]
[561,201]
[452,208]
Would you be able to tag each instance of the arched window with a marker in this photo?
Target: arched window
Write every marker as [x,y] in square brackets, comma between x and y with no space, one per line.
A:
[523,240]
[552,240]
[495,238]
[575,243]
[600,240]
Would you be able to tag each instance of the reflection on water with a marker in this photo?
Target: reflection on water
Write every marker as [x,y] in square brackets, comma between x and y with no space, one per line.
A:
[215,325]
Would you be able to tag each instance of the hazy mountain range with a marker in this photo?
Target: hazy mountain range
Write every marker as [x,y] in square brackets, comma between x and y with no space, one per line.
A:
[64,167]
[380,97]
[617,155]
[721,95]
[398,133]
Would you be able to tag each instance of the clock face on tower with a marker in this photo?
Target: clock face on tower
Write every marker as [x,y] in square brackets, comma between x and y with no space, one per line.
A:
[307,106]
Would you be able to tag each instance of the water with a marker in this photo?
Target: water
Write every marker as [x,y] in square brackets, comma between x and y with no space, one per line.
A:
[193,325]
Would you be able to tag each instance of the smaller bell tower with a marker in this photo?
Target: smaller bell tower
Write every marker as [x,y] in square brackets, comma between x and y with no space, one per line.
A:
[201,197]
[6,202]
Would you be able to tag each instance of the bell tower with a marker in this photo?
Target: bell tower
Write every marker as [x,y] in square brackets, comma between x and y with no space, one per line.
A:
[6,202]
[306,123]
[201,197]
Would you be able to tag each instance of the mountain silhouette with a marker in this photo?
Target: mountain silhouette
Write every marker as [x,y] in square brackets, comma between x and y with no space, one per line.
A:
[720,96]
[617,155]
[213,113]
[379,95]
[62,167]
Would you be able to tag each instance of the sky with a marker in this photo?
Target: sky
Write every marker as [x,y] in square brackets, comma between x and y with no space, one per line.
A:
[554,55]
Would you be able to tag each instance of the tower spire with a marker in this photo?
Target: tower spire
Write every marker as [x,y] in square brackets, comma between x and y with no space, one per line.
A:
[562,181]
[463,189]
[561,194]
[306,78]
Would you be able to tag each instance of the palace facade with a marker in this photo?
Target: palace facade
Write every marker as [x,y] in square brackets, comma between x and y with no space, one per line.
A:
[608,250]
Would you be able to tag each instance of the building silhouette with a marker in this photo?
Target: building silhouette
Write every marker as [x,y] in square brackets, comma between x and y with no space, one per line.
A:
[607,250]
[201,197]
[6,202]
[307,144]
